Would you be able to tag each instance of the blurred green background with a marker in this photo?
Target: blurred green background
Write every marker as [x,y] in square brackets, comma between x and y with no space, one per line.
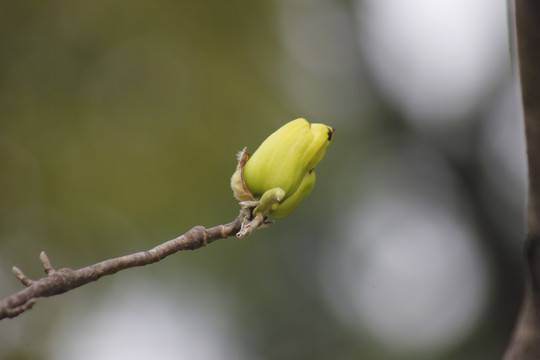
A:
[119,126]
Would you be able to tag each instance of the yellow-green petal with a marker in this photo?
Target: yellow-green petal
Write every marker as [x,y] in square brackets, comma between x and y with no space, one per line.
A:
[284,161]
[286,156]
[287,206]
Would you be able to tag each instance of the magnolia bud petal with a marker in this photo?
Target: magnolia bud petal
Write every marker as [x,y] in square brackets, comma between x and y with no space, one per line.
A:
[278,162]
[287,206]
[285,160]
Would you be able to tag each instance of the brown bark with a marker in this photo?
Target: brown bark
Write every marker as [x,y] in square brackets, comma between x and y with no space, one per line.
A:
[62,280]
[525,342]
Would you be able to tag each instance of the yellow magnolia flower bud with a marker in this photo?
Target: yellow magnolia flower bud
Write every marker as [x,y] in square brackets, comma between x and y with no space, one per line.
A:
[282,167]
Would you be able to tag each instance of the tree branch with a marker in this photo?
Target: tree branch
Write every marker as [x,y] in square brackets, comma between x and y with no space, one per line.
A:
[62,280]
[525,342]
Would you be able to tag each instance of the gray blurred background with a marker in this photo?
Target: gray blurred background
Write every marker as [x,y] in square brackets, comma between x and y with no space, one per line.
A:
[119,125]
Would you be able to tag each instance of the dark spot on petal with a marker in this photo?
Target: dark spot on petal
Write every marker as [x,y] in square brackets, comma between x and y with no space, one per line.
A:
[310,171]
[330,133]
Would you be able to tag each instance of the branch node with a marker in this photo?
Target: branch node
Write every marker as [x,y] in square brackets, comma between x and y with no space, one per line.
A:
[198,237]
[223,230]
[26,281]
[46,262]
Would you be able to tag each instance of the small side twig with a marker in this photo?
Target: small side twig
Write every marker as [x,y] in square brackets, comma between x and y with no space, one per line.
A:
[26,281]
[47,266]
[58,281]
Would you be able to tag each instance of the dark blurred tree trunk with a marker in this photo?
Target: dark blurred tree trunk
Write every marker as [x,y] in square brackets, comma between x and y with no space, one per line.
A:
[525,343]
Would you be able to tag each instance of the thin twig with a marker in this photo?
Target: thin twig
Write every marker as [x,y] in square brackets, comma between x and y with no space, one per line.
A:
[64,279]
